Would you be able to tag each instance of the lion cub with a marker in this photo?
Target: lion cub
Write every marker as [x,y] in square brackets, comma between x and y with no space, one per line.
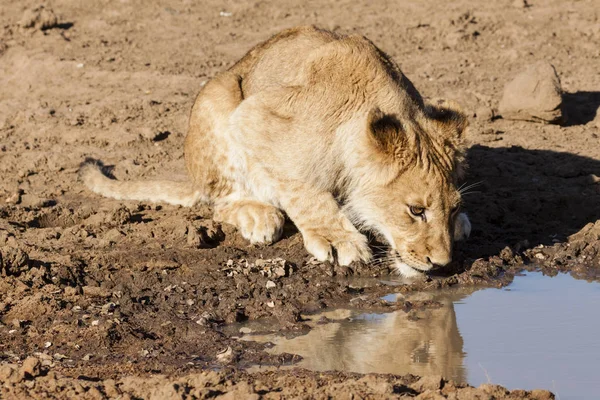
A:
[326,129]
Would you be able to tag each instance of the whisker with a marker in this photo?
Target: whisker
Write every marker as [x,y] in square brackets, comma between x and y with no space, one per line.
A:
[463,189]
[470,192]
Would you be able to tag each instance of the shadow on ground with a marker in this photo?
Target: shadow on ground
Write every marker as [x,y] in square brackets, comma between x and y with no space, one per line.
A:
[580,107]
[528,197]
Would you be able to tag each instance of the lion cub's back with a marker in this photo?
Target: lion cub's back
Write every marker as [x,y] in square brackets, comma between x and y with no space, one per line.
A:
[278,61]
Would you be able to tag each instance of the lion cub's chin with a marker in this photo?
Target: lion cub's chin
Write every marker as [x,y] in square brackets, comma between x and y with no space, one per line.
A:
[406,270]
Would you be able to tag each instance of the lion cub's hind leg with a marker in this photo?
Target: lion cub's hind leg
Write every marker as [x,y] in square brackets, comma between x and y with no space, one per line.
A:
[258,222]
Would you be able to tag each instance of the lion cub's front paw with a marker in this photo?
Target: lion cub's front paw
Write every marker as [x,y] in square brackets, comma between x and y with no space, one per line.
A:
[348,246]
[462,227]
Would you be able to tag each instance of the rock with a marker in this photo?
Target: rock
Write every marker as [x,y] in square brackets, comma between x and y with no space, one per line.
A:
[95,291]
[7,371]
[540,394]
[534,95]
[31,367]
[39,18]
[113,235]
[484,113]
[431,382]
[226,356]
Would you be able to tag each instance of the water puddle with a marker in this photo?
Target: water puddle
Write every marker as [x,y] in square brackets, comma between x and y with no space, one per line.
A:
[539,332]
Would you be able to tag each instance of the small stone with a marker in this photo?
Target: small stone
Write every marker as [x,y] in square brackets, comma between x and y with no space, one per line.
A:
[70,291]
[108,308]
[271,284]
[260,262]
[6,371]
[431,382]
[39,18]
[540,256]
[14,198]
[113,236]
[540,394]
[225,356]
[193,238]
[271,304]
[533,95]
[95,322]
[47,344]
[31,367]
[245,330]
[95,291]
[484,113]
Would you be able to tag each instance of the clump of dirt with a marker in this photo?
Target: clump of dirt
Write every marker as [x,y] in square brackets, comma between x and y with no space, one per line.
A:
[35,381]
[39,18]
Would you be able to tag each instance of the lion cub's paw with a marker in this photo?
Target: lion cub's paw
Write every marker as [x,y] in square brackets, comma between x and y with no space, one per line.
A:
[462,227]
[349,247]
[260,224]
[257,222]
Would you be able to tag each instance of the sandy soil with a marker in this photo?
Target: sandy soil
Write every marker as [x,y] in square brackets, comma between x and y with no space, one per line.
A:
[126,299]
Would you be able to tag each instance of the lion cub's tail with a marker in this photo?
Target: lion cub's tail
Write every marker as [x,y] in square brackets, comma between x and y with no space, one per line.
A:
[171,192]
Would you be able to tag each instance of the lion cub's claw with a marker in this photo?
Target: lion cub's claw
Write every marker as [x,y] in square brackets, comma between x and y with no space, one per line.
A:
[348,248]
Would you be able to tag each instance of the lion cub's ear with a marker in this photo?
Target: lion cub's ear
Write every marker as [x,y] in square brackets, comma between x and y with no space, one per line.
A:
[449,122]
[386,133]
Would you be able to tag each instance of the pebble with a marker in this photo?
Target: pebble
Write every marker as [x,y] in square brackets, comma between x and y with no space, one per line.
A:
[431,382]
[534,95]
[271,284]
[31,367]
[484,113]
[39,18]
[271,304]
[226,355]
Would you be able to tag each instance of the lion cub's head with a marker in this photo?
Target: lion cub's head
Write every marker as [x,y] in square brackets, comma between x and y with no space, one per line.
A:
[408,191]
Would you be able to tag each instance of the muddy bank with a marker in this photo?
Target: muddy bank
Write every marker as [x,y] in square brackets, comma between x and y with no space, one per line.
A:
[33,380]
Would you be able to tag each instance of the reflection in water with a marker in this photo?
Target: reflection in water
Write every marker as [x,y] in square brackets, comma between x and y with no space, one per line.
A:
[423,342]
[539,332]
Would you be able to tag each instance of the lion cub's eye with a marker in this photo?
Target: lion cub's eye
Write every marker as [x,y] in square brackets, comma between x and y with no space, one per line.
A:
[417,211]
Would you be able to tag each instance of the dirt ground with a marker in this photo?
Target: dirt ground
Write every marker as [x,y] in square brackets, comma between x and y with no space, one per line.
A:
[103,298]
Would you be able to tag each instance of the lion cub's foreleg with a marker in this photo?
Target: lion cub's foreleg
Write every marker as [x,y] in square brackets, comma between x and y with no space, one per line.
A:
[326,231]
[258,222]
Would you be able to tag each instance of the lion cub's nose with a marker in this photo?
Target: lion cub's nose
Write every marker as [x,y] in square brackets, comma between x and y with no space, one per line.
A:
[439,261]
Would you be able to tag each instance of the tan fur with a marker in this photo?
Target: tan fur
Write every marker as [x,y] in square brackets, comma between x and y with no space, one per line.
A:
[327,129]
